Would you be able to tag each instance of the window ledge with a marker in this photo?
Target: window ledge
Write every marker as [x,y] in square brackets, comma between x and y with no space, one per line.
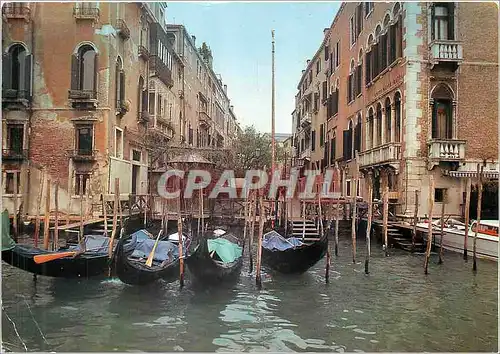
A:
[11,195]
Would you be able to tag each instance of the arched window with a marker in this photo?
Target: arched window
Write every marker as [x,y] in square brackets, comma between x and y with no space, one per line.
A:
[357,134]
[84,70]
[369,132]
[347,142]
[388,121]
[17,72]
[397,112]
[379,124]
[442,112]
[120,86]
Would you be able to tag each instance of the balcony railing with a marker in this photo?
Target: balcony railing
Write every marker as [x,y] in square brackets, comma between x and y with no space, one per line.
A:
[82,94]
[204,118]
[16,10]
[306,120]
[143,52]
[446,150]
[123,30]
[86,12]
[11,96]
[14,154]
[158,68]
[389,152]
[84,155]
[442,50]
[305,154]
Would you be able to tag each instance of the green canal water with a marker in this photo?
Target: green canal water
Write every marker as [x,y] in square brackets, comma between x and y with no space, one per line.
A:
[395,308]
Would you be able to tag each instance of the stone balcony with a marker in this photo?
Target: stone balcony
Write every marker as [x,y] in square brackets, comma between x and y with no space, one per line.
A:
[306,154]
[306,120]
[446,150]
[446,51]
[389,153]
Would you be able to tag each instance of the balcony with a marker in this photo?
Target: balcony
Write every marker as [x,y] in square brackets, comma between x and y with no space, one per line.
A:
[123,30]
[305,154]
[83,99]
[17,10]
[14,154]
[143,117]
[446,150]
[17,98]
[444,51]
[306,120]
[122,107]
[204,118]
[84,155]
[389,154]
[143,52]
[158,68]
[392,195]
[86,12]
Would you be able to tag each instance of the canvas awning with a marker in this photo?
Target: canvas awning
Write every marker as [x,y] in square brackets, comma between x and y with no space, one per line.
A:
[473,174]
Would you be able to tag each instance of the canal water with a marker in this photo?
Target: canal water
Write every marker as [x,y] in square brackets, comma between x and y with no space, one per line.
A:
[395,308]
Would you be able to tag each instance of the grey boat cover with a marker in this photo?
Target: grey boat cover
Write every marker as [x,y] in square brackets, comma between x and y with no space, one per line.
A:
[93,244]
[274,241]
[143,246]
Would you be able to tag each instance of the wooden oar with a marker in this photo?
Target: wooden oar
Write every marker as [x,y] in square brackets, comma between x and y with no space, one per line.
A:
[149,261]
[43,258]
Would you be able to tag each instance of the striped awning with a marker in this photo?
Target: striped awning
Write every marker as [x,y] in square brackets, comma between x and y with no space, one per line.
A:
[473,174]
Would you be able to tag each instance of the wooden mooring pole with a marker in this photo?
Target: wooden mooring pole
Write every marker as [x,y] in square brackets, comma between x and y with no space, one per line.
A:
[179,232]
[105,215]
[478,218]
[337,204]
[429,232]
[353,220]
[262,216]
[369,225]
[80,191]
[55,245]
[467,212]
[38,204]
[46,222]
[443,204]
[14,218]
[115,216]
[415,220]
[385,217]
[253,215]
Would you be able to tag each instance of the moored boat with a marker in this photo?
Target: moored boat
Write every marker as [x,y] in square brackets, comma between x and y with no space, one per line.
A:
[133,252]
[292,255]
[217,259]
[454,234]
[76,260]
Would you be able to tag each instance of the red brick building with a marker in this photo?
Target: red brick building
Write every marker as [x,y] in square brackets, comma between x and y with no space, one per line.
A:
[402,87]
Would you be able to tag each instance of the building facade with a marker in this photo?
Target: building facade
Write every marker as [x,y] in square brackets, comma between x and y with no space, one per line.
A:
[398,86]
[100,98]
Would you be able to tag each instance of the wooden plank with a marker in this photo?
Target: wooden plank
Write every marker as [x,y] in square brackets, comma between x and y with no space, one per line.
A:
[76,224]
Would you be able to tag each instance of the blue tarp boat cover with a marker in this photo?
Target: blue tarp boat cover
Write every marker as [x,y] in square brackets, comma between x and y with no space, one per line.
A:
[274,241]
[143,245]
[226,250]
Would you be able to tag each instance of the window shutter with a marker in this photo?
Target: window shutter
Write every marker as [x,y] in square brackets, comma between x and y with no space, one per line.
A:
[329,107]
[451,22]
[392,44]
[27,76]
[75,72]
[325,153]
[345,144]
[449,121]
[433,34]
[325,90]
[332,151]
[399,36]
[96,74]
[434,120]
[6,71]
[122,86]
[313,140]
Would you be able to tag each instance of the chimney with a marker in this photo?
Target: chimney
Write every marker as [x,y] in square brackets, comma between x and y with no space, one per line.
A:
[303,71]
[308,61]
[325,31]
[232,107]
[225,89]
[194,39]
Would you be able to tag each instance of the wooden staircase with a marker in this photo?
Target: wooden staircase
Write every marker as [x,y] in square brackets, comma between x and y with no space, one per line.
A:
[396,238]
[311,230]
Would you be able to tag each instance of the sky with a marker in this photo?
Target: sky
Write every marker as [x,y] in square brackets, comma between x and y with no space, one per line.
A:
[239,35]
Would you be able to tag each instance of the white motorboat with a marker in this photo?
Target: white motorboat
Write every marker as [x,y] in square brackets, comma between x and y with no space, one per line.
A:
[454,234]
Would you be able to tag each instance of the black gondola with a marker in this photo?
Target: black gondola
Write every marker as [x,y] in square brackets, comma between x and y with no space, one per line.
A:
[94,261]
[291,255]
[131,255]
[212,267]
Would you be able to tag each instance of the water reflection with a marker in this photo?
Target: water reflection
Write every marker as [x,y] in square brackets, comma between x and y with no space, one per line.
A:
[394,308]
